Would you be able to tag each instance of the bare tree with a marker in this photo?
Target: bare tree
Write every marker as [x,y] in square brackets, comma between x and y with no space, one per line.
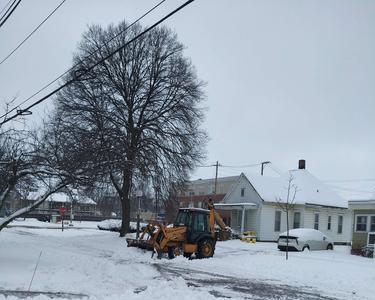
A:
[38,161]
[287,205]
[17,162]
[140,110]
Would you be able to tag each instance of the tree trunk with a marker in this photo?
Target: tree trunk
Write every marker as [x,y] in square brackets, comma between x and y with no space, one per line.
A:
[5,194]
[125,203]
[125,215]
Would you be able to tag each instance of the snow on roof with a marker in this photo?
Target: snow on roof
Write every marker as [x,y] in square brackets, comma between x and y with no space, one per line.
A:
[310,189]
[212,180]
[59,197]
[62,197]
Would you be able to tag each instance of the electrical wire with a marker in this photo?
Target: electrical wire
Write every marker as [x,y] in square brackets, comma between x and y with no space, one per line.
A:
[20,112]
[5,7]
[45,19]
[274,168]
[241,166]
[9,8]
[10,13]
[70,69]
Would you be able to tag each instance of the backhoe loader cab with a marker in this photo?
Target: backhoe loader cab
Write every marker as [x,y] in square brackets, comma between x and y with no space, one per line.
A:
[196,221]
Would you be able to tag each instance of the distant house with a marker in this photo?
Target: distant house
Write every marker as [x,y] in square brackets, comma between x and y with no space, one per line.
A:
[81,205]
[364,222]
[198,192]
[252,203]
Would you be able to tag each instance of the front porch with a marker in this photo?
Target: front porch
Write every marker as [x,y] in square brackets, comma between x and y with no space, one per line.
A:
[243,216]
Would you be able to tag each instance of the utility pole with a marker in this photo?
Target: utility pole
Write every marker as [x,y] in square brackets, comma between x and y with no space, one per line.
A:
[262,168]
[217,169]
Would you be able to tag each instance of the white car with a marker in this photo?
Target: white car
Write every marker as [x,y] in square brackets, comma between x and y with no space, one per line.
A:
[304,238]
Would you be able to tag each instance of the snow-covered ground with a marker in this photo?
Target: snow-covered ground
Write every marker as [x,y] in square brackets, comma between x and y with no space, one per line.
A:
[92,264]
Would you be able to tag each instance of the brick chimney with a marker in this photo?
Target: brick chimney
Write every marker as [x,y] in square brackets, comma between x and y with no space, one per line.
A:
[301,164]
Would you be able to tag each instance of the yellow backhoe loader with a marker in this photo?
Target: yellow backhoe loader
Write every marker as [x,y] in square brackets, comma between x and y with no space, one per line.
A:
[193,232]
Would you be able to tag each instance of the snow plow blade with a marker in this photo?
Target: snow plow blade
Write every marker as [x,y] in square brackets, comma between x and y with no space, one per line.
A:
[146,240]
[143,244]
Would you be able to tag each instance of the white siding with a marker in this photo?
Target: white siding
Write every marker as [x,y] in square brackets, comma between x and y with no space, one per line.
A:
[267,223]
[250,195]
[324,212]
[251,220]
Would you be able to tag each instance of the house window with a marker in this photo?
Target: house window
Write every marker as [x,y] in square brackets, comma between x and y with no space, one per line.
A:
[339,226]
[361,223]
[191,193]
[316,221]
[297,220]
[277,220]
[242,192]
[200,204]
[329,223]
[372,224]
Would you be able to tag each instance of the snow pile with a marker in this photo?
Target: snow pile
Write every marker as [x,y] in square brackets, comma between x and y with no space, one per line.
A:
[115,225]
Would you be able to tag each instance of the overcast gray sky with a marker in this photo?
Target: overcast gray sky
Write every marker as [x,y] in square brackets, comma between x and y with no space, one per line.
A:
[285,79]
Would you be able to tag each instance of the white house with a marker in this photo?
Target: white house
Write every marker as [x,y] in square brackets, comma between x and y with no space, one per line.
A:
[254,204]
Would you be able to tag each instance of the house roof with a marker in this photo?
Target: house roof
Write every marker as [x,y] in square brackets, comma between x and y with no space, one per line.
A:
[212,180]
[310,190]
[62,197]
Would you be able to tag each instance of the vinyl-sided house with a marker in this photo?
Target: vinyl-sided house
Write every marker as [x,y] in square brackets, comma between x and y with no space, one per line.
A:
[364,223]
[255,203]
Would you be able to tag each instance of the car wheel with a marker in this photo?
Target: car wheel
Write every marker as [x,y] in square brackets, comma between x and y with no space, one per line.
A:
[329,247]
[306,247]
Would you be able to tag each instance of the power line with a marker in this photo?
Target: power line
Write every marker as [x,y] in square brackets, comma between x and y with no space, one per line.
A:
[6,5]
[275,169]
[9,8]
[45,19]
[10,13]
[70,69]
[26,110]
[241,166]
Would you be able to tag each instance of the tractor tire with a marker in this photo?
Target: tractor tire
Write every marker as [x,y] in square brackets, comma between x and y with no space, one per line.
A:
[206,248]
[171,253]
